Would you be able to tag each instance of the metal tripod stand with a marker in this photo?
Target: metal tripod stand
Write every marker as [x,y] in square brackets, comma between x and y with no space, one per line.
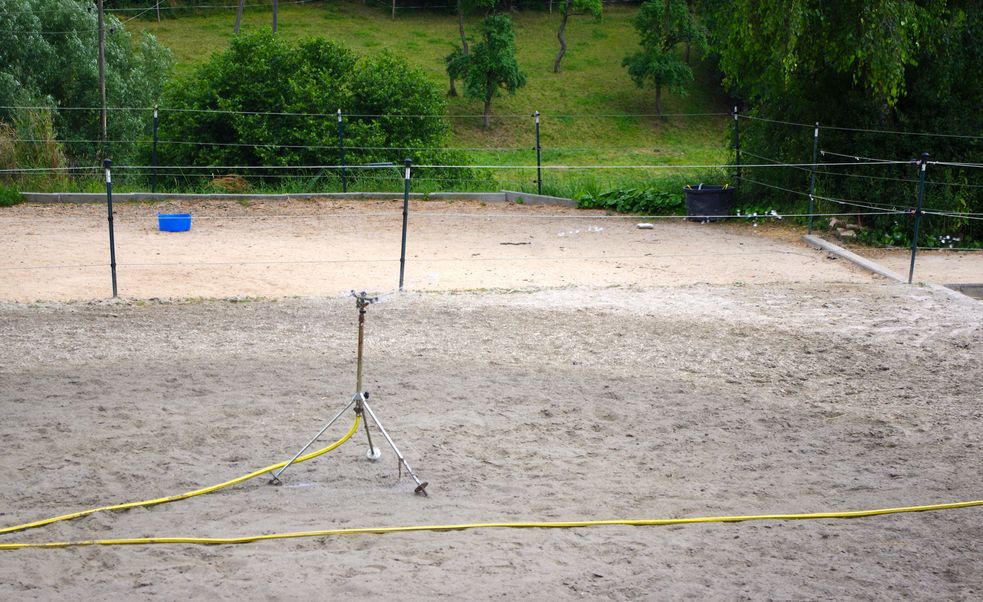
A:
[360,401]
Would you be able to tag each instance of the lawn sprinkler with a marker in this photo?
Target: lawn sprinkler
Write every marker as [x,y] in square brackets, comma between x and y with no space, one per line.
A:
[360,403]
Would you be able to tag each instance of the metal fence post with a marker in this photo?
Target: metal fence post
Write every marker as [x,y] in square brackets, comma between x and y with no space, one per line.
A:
[107,164]
[406,213]
[153,157]
[737,147]
[341,152]
[812,177]
[918,214]
[539,164]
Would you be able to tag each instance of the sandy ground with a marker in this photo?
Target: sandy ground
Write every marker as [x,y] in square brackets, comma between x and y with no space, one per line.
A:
[308,248]
[931,265]
[819,388]
[315,248]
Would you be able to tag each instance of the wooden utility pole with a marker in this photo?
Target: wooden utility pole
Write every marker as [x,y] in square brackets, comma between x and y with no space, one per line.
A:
[102,73]
[238,16]
[275,3]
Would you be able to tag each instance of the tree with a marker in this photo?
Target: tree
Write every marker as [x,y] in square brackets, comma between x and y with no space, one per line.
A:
[457,60]
[492,64]
[769,47]
[663,25]
[48,58]
[593,6]
[881,65]
[270,101]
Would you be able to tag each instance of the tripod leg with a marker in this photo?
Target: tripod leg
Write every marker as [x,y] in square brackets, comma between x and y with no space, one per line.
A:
[421,487]
[373,453]
[276,475]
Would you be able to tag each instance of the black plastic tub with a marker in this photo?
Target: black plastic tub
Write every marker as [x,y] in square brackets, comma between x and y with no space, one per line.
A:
[708,203]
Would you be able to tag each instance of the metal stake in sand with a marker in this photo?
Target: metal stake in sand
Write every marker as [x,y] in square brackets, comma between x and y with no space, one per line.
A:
[107,164]
[918,213]
[406,214]
[360,400]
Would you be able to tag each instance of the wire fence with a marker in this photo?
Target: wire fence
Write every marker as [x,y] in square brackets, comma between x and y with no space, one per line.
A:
[930,198]
[810,186]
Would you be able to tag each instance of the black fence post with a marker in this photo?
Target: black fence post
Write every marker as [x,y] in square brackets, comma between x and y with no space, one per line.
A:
[341,152]
[737,147]
[539,164]
[918,213]
[812,176]
[153,157]
[107,164]
[406,214]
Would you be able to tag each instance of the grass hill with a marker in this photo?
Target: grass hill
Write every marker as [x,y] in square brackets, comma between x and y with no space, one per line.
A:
[592,113]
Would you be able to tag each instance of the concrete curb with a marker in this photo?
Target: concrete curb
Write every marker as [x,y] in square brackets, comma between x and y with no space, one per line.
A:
[866,264]
[538,199]
[504,196]
[98,197]
[959,292]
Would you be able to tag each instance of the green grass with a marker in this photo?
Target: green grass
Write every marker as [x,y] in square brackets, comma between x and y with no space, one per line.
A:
[592,113]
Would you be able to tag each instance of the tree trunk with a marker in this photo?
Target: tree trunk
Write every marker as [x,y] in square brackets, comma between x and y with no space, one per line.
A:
[460,27]
[489,93]
[658,99]
[666,16]
[238,16]
[275,7]
[453,90]
[559,36]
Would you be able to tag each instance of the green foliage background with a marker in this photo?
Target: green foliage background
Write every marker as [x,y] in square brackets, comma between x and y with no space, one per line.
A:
[883,65]
[888,66]
[48,58]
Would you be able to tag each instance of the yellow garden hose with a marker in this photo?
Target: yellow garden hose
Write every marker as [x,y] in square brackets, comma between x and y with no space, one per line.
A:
[501,525]
[183,496]
[510,525]
[413,528]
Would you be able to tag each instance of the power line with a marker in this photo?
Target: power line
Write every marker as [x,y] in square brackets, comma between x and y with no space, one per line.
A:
[952,164]
[861,130]
[884,209]
[866,159]
[422,166]
[391,260]
[368,115]
[777,162]
[889,179]
[969,216]
[546,149]
[216,6]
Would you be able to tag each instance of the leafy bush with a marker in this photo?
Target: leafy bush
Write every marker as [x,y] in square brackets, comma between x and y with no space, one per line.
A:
[268,101]
[9,196]
[634,200]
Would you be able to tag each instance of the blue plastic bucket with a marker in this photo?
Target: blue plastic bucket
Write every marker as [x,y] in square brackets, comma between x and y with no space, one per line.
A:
[174,222]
